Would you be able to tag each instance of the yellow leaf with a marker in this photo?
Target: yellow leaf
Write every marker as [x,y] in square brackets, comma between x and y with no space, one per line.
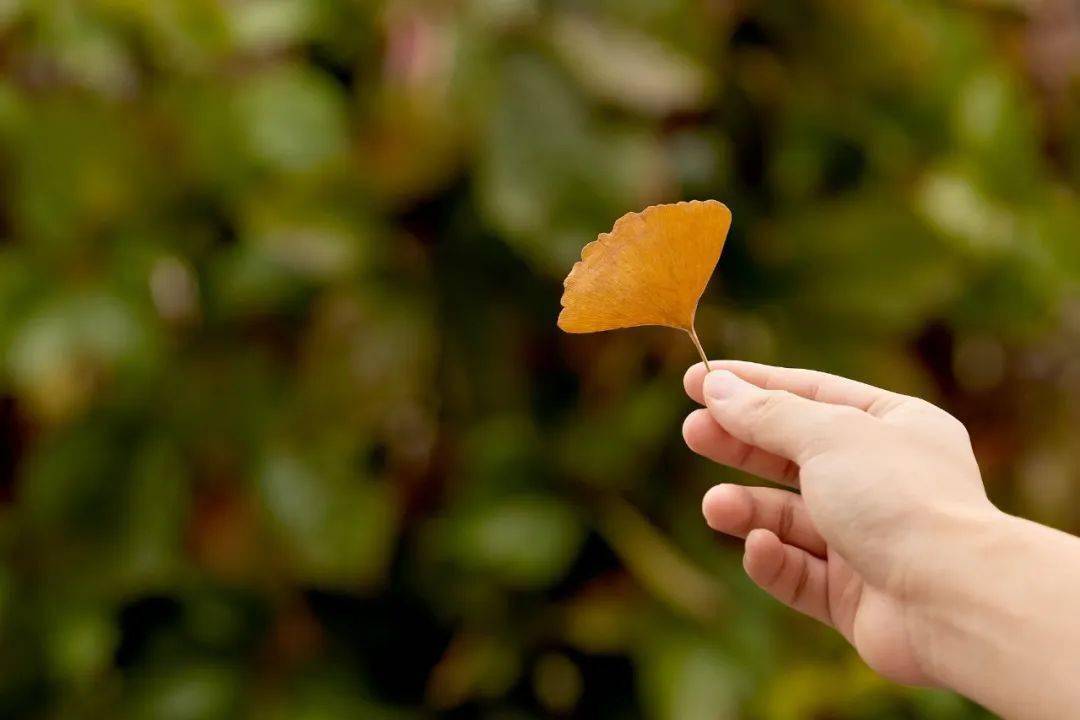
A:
[651,269]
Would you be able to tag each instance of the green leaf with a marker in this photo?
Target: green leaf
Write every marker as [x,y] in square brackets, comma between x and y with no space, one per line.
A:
[627,67]
[524,542]
[683,677]
[336,530]
[294,118]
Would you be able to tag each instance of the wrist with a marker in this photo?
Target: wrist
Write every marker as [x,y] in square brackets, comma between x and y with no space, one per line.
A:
[945,588]
[992,615]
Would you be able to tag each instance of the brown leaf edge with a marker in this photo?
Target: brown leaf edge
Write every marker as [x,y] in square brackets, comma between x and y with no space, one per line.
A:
[594,245]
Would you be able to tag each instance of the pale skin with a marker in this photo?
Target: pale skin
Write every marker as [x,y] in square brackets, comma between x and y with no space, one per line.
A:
[890,538]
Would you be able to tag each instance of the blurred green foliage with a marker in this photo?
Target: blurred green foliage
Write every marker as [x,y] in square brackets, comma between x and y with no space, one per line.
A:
[286,427]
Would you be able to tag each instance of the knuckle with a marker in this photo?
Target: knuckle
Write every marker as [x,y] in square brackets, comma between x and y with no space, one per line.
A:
[765,406]
[789,475]
[742,459]
[801,584]
[763,414]
[957,428]
[922,413]
[786,519]
[917,409]
[778,572]
[751,518]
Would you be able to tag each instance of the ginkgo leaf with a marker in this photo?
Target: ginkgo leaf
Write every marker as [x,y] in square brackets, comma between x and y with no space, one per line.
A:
[651,269]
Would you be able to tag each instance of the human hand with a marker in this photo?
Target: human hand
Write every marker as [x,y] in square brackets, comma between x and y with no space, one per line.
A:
[885,479]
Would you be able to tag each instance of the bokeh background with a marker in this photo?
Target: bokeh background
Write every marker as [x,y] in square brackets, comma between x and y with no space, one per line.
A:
[286,426]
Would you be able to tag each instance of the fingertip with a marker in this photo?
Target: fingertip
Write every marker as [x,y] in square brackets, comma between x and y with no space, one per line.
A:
[761,554]
[720,385]
[688,428]
[719,495]
[697,369]
[692,380]
[726,507]
[761,539]
[696,429]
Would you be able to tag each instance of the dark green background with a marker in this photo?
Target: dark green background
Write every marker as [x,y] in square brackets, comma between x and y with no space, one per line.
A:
[286,426]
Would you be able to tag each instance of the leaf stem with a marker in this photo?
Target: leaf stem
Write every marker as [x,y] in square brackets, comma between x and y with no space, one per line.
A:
[692,332]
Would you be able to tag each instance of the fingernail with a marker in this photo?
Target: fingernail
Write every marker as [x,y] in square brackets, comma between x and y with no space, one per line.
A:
[721,384]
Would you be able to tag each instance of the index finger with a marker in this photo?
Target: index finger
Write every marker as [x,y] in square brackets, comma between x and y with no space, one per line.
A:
[810,384]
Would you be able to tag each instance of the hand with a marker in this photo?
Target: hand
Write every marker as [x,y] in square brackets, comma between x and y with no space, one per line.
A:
[884,479]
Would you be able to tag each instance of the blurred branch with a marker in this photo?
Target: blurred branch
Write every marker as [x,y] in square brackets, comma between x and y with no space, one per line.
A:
[658,565]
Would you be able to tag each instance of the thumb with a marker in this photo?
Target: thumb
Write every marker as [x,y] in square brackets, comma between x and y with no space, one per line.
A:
[779,422]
